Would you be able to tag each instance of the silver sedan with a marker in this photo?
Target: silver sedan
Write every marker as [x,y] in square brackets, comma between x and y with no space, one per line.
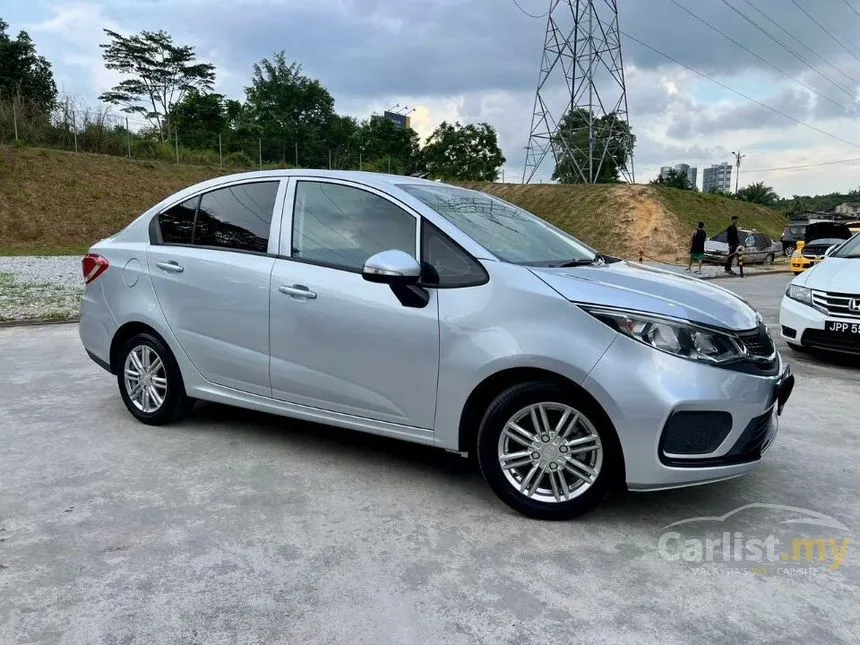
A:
[430,313]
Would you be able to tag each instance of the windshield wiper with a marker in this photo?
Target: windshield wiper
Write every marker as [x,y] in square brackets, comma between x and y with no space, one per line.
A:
[581,262]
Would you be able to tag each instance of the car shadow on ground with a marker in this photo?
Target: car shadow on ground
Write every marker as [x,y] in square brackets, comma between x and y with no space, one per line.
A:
[451,470]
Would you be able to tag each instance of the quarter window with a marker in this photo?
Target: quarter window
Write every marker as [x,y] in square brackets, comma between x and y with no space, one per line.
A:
[236,217]
[177,222]
[342,226]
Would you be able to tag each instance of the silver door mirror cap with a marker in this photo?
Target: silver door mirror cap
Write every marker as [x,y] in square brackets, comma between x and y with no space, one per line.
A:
[392,267]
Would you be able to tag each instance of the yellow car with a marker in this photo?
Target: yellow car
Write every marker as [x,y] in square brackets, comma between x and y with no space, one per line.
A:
[817,239]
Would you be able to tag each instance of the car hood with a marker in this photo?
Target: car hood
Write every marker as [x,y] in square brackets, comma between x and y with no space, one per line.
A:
[629,285]
[714,246]
[841,275]
[821,230]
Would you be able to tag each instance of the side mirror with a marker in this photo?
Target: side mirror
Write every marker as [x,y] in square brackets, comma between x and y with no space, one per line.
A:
[392,267]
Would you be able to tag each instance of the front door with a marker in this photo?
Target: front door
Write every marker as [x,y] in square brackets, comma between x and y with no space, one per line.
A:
[338,342]
[210,270]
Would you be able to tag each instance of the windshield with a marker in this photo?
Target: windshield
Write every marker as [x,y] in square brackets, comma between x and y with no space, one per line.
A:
[849,249]
[507,231]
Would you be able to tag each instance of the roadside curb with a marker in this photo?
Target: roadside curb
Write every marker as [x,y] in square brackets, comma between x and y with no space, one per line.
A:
[748,275]
[33,323]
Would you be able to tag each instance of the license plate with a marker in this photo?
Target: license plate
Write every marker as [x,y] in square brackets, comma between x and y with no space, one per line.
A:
[847,328]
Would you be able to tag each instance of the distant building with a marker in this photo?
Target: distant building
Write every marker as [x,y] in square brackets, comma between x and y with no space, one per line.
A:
[847,208]
[681,169]
[400,120]
[718,176]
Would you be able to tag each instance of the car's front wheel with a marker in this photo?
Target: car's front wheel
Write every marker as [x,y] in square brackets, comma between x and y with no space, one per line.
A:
[547,453]
[150,382]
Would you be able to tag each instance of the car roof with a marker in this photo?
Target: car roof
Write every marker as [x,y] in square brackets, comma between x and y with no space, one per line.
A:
[376,179]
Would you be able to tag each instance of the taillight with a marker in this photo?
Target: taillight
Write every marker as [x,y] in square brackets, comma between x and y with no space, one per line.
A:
[93,265]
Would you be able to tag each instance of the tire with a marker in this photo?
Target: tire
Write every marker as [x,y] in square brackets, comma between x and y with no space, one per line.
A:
[788,251]
[546,500]
[769,258]
[166,381]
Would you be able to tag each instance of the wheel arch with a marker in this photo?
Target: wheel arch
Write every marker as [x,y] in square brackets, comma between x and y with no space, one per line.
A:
[488,389]
[126,331]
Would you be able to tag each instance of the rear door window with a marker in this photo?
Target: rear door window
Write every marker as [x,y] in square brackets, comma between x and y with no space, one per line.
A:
[177,222]
[237,217]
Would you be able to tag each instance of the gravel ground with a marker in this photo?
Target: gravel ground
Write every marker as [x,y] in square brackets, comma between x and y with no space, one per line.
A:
[50,287]
[713,270]
[40,287]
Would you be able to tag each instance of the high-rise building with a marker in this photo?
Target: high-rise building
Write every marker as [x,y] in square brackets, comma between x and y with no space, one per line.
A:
[682,169]
[718,176]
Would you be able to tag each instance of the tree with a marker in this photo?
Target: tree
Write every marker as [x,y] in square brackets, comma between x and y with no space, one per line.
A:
[611,134]
[161,72]
[674,179]
[200,118]
[25,74]
[381,139]
[464,153]
[758,193]
[288,106]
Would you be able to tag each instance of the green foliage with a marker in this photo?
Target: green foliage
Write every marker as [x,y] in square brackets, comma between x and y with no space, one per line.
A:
[758,193]
[674,179]
[455,152]
[799,204]
[23,73]
[286,105]
[200,118]
[577,161]
[161,74]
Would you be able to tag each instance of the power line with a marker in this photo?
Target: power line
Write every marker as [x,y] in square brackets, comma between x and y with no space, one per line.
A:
[789,49]
[826,30]
[808,165]
[852,7]
[531,15]
[741,94]
[752,53]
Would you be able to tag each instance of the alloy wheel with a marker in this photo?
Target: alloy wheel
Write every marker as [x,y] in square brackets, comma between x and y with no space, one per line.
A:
[550,452]
[145,377]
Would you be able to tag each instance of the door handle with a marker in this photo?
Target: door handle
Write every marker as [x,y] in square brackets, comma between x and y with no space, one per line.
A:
[297,291]
[171,266]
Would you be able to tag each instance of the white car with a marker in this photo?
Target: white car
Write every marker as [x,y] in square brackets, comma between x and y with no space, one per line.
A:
[821,306]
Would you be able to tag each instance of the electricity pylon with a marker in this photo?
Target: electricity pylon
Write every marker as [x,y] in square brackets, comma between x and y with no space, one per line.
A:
[582,47]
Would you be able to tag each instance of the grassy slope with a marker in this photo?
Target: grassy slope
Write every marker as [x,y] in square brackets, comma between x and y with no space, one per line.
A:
[61,202]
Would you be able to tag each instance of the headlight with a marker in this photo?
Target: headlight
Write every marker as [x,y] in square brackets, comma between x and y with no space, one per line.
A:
[801,294]
[686,340]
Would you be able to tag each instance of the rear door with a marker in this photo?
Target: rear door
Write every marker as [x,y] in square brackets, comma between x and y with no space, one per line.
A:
[210,265]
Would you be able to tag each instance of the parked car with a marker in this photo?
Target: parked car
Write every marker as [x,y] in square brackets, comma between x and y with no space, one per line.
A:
[439,315]
[758,247]
[791,235]
[817,238]
[821,306]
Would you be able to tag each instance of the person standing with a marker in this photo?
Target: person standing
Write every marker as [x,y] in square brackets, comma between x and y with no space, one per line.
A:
[697,247]
[733,241]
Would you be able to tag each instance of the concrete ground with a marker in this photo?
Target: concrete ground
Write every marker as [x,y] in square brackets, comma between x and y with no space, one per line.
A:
[234,527]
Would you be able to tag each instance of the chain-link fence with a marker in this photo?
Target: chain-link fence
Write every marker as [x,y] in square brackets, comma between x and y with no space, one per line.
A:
[99,130]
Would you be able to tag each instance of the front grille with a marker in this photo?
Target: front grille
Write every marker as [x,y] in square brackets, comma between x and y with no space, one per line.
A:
[836,304]
[831,340]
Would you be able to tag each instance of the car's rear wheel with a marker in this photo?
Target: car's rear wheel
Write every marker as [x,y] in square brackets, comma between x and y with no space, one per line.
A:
[150,382]
[788,250]
[546,453]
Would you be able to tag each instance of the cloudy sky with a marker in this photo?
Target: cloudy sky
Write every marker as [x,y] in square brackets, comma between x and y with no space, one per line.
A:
[478,60]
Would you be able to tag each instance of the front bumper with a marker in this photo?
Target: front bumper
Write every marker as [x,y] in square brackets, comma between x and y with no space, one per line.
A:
[656,387]
[803,325]
[801,264]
